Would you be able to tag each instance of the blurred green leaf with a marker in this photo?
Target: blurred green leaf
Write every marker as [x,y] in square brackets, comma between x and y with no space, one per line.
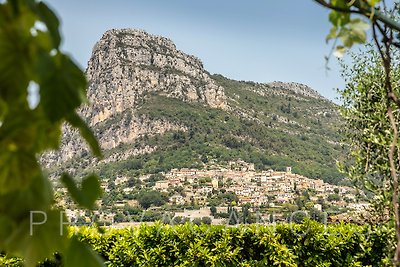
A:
[30,53]
[89,192]
[339,19]
[80,254]
[332,34]
[51,21]
[37,196]
[339,51]
[45,238]
[76,121]
[62,88]
[373,2]
[7,227]
[3,110]
[17,168]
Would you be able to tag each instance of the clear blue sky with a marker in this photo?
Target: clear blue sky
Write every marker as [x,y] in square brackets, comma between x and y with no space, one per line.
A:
[258,40]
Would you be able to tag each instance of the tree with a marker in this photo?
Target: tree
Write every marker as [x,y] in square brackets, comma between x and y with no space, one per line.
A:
[132,182]
[306,195]
[180,220]
[206,220]
[368,128]
[111,185]
[213,210]
[197,221]
[336,190]
[333,197]
[31,61]
[385,31]
[371,128]
[246,213]
[317,215]
[233,216]
[119,217]
[151,181]
[148,198]
[298,217]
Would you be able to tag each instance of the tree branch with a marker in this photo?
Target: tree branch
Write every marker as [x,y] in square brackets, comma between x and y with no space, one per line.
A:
[365,10]
[336,8]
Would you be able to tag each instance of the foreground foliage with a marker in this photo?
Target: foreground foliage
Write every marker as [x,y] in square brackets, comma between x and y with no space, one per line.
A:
[40,89]
[308,244]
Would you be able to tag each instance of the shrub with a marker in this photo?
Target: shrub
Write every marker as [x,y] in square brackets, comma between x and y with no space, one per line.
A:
[308,244]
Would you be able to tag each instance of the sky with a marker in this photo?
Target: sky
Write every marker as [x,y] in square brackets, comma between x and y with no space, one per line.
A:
[252,40]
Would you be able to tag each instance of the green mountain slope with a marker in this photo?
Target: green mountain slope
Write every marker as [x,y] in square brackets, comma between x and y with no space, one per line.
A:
[308,142]
[154,108]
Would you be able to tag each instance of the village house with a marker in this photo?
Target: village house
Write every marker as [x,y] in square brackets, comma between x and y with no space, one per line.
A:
[177,199]
[161,185]
[192,214]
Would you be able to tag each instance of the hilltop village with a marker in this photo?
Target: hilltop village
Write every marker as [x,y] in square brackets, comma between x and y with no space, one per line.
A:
[214,195]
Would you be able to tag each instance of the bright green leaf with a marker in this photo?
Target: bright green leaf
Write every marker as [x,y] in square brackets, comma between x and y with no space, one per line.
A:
[373,2]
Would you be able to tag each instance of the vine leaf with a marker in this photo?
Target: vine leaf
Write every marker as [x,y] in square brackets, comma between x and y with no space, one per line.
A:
[80,254]
[85,132]
[89,192]
[51,21]
[60,100]
[17,168]
[34,242]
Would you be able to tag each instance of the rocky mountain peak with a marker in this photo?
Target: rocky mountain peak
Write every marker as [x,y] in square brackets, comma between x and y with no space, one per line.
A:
[128,64]
[297,88]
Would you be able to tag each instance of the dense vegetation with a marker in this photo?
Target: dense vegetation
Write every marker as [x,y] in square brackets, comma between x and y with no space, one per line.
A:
[309,244]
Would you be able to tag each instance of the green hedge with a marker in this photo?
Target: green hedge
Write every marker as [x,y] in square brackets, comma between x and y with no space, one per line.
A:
[309,244]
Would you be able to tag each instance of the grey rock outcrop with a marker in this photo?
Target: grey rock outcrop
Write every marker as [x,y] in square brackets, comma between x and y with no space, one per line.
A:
[125,67]
[297,88]
[128,64]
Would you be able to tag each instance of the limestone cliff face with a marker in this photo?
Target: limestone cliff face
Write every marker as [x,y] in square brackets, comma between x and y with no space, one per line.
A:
[126,65]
